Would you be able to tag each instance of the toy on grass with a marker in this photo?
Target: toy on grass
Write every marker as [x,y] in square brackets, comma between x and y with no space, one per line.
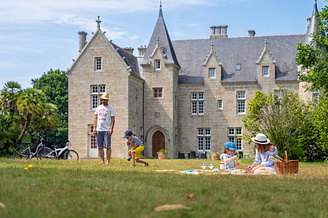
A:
[128,158]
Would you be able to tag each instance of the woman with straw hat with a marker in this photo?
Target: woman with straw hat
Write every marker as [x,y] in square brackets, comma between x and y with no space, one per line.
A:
[262,163]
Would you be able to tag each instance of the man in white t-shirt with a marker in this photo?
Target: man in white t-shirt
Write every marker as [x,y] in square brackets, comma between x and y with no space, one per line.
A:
[103,126]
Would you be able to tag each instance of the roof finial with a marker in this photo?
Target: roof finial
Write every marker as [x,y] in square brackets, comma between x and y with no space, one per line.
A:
[212,46]
[265,43]
[98,22]
[160,4]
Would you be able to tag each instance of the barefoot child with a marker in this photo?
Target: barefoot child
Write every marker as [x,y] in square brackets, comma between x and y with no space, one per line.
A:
[228,155]
[135,146]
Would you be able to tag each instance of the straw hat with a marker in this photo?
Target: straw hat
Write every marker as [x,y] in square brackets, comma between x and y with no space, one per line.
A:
[105,95]
[261,139]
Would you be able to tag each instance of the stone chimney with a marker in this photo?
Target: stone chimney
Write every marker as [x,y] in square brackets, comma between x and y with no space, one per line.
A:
[212,31]
[82,40]
[308,20]
[218,34]
[142,51]
[129,50]
[225,31]
[251,33]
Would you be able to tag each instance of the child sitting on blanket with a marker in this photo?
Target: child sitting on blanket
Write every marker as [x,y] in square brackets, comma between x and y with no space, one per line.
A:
[228,155]
[135,147]
[264,149]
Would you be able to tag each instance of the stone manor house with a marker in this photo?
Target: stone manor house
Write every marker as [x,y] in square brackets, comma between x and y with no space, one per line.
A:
[181,95]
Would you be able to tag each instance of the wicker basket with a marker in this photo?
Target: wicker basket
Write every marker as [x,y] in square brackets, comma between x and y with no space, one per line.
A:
[286,167]
[291,167]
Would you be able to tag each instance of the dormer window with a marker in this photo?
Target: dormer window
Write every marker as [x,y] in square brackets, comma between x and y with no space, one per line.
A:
[157,65]
[238,67]
[265,71]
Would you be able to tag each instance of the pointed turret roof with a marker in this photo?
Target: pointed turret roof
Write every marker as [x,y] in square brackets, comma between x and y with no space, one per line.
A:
[312,25]
[160,35]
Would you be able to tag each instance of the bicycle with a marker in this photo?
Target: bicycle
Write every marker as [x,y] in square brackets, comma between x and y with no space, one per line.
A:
[25,151]
[58,153]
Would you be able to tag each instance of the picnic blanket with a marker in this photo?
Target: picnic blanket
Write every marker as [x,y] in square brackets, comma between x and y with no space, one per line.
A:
[218,171]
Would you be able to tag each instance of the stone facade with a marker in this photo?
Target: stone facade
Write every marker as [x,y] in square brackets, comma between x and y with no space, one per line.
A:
[179,95]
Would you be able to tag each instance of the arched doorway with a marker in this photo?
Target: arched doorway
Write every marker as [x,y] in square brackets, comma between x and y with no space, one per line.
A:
[158,142]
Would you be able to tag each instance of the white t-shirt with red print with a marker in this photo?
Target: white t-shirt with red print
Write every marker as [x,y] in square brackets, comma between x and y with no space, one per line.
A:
[104,117]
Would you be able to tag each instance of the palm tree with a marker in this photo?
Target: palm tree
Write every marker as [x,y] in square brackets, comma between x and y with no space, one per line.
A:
[48,119]
[9,96]
[31,102]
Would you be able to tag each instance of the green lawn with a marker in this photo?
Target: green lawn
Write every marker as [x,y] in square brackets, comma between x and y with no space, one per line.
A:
[84,189]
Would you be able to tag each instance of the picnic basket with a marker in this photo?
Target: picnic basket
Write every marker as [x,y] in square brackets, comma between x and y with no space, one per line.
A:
[286,166]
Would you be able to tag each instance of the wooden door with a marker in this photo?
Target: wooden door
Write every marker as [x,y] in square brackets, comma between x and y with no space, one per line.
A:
[158,142]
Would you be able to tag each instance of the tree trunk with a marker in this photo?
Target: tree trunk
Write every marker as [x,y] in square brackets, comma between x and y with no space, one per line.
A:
[27,123]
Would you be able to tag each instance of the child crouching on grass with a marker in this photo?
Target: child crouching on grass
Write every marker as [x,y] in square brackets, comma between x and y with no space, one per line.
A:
[135,147]
[228,155]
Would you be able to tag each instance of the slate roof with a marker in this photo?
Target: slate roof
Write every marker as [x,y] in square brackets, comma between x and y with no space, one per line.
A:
[130,60]
[232,51]
[160,31]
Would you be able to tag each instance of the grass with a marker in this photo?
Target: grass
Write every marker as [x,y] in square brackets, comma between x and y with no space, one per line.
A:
[61,188]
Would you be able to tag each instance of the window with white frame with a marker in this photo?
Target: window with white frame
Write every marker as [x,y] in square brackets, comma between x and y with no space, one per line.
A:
[212,72]
[241,102]
[98,63]
[265,71]
[96,92]
[157,65]
[235,136]
[303,71]
[203,139]
[92,138]
[197,103]
[220,104]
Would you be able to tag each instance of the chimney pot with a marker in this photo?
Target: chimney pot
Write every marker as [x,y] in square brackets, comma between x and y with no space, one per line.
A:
[251,33]
[142,51]
[219,28]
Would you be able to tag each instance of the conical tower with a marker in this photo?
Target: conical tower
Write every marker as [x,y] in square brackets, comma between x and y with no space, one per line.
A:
[160,68]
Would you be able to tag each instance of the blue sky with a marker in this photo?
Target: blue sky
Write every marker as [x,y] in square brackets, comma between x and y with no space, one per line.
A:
[37,35]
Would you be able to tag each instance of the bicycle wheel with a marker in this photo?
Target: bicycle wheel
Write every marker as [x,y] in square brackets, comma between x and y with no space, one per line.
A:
[71,155]
[46,153]
[19,153]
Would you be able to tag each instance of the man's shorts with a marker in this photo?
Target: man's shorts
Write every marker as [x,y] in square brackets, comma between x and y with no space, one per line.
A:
[137,151]
[103,137]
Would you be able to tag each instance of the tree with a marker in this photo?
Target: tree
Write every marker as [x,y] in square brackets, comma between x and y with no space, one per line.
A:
[49,119]
[9,96]
[31,102]
[314,56]
[280,117]
[55,86]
